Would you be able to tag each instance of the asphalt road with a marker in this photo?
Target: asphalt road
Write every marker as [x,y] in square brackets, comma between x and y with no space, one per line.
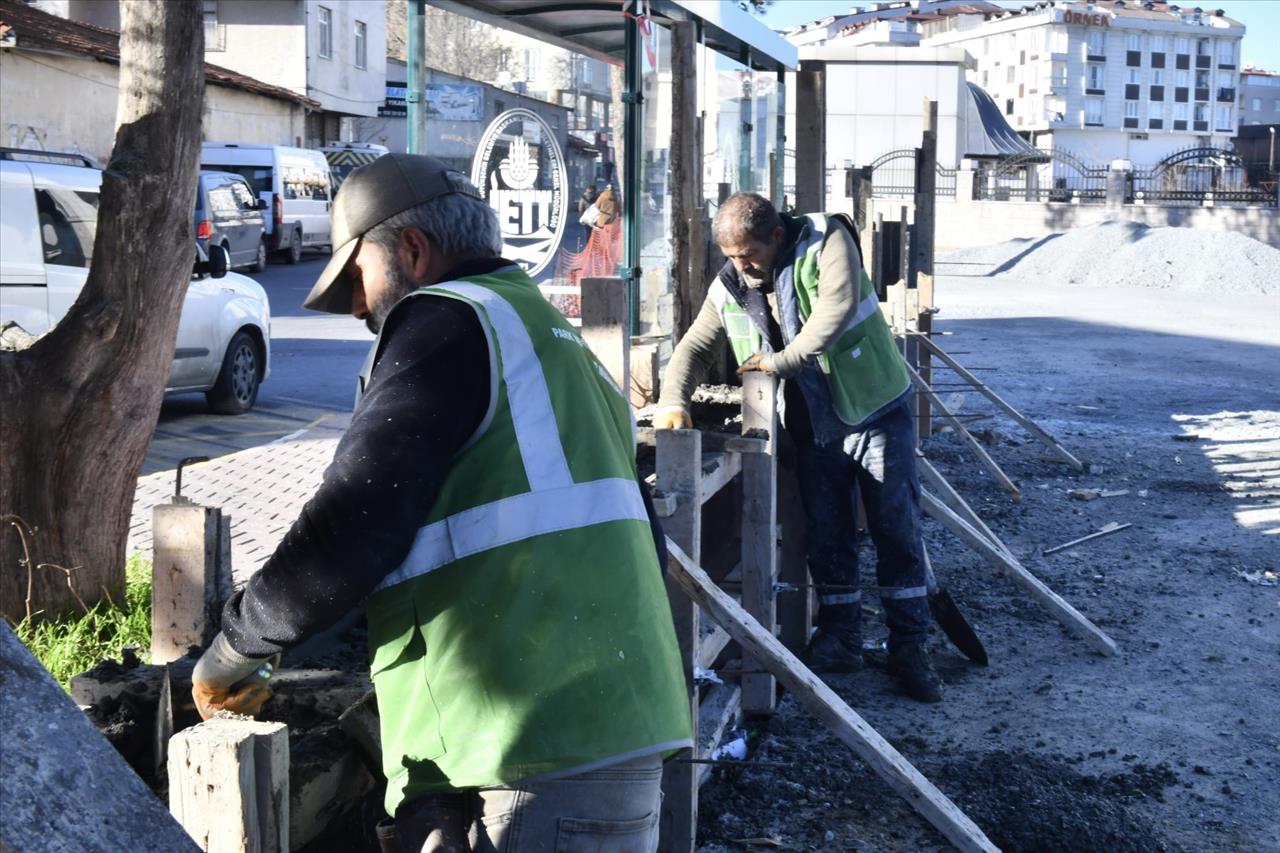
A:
[315,359]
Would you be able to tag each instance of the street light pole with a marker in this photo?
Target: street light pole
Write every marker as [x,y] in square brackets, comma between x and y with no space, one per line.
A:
[416,84]
[1271,159]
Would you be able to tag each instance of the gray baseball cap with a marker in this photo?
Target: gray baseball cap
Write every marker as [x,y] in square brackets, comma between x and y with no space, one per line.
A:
[369,196]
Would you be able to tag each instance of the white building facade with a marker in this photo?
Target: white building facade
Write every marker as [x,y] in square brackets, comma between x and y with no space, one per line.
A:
[1259,97]
[1114,79]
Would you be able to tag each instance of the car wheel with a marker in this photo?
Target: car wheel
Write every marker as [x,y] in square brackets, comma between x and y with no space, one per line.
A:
[260,261]
[294,253]
[236,390]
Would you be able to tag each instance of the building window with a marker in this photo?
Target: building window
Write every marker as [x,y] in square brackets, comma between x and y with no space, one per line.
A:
[1058,74]
[1157,77]
[1157,60]
[1182,61]
[1008,106]
[1134,75]
[1255,104]
[1009,72]
[1202,79]
[1156,44]
[215,36]
[1093,111]
[1096,77]
[1096,43]
[1058,40]
[1184,78]
[1133,58]
[362,45]
[1182,45]
[530,65]
[1201,113]
[1130,109]
[1226,52]
[1131,91]
[986,76]
[1277,105]
[1202,47]
[1133,41]
[326,33]
[1180,94]
[1224,118]
[1157,93]
[1180,112]
[1155,124]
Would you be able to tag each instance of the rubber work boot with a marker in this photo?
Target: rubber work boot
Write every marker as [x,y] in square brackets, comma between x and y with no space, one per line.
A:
[910,667]
[836,650]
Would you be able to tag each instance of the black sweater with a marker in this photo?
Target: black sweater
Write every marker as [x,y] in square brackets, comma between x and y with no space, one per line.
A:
[427,395]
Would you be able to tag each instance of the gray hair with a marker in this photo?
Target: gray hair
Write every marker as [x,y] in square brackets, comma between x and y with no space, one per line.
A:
[744,215]
[464,227]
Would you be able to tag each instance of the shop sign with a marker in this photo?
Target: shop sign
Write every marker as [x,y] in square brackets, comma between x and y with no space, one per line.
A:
[1088,19]
[394,105]
[520,169]
[455,102]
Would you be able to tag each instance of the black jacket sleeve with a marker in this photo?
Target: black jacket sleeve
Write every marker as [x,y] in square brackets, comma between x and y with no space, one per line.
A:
[428,393]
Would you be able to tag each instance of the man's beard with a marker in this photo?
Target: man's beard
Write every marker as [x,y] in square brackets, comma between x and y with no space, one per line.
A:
[399,285]
[756,281]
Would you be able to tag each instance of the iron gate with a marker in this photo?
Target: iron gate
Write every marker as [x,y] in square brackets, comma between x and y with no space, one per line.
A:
[1041,175]
[893,175]
[1195,174]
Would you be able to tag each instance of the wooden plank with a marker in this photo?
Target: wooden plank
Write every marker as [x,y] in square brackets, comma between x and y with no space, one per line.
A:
[724,467]
[979,451]
[686,171]
[606,328]
[797,611]
[924,366]
[229,785]
[185,600]
[961,507]
[718,713]
[1028,424]
[926,193]
[1106,530]
[679,469]
[822,701]
[1058,607]
[759,531]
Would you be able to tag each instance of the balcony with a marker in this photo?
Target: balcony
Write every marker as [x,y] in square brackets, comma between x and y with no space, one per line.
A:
[1202,94]
[1201,126]
[1203,61]
[1226,95]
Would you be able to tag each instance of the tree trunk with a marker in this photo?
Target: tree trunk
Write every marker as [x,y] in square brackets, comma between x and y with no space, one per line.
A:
[80,404]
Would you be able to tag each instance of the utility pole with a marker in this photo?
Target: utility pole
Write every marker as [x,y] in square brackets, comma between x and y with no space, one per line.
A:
[1271,158]
[416,85]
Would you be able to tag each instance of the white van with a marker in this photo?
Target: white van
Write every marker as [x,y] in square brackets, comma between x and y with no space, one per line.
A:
[295,184]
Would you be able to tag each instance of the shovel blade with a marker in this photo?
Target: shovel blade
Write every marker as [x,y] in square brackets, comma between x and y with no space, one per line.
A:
[956,627]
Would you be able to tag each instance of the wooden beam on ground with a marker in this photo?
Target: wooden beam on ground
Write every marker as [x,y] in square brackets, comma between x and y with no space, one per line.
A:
[979,451]
[679,469]
[1073,620]
[719,712]
[1028,424]
[958,504]
[823,702]
[229,784]
[759,530]
[606,328]
[1107,530]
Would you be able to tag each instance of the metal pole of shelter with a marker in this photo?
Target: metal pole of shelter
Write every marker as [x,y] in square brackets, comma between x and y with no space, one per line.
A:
[416,84]
[630,181]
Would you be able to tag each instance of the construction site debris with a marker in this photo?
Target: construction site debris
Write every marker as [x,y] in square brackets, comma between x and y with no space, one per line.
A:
[1106,530]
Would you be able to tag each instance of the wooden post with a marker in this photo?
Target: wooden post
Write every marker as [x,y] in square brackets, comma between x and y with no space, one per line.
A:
[922,254]
[190,577]
[686,177]
[795,609]
[679,469]
[759,529]
[830,709]
[605,328]
[811,144]
[229,785]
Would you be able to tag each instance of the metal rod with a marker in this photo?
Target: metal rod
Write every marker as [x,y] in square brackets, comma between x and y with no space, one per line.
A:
[734,762]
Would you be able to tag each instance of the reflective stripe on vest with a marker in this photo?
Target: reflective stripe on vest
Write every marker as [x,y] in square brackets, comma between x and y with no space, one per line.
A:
[554,502]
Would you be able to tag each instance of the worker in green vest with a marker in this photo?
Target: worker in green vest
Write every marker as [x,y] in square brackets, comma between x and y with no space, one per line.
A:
[792,300]
[485,501]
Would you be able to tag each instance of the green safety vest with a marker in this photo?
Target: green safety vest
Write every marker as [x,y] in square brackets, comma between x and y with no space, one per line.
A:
[528,631]
[863,369]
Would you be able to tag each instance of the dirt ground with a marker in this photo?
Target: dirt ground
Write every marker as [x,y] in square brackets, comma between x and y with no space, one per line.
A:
[1174,744]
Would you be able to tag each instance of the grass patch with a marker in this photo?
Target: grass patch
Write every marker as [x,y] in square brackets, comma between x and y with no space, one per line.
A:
[73,644]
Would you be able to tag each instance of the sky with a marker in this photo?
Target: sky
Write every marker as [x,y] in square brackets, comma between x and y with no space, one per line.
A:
[1260,17]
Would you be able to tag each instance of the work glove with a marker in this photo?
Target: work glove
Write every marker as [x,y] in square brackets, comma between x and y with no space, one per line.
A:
[225,680]
[759,362]
[672,417]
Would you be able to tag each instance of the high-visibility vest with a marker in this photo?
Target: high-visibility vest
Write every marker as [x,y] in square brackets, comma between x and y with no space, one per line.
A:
[864,370]
[528,630]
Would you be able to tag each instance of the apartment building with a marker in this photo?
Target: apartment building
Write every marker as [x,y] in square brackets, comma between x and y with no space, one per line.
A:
[1259,97]
[329,51]
[1105,80]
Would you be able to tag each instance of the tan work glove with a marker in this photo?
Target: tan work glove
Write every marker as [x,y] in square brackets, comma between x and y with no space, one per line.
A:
[760,361]
[225,680]
[672,417]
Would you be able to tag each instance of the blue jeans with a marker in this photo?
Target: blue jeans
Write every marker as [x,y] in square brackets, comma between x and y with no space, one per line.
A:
[879,461]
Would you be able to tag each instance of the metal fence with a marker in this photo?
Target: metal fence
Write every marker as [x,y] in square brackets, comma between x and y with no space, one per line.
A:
[1198,174]
[893,175]
[1041,175]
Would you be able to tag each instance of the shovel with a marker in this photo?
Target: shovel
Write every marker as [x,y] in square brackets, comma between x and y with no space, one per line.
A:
[949,618]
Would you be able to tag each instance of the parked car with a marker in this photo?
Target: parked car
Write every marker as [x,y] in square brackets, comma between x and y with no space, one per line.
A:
[48,220]
[345,157]
[229,215]
[295,184]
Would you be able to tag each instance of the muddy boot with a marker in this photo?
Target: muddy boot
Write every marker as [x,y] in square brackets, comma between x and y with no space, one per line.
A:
[910,667]
[837,649]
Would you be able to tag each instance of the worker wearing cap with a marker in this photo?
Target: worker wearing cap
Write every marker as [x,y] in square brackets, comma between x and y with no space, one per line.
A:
[485,501]
[793,301]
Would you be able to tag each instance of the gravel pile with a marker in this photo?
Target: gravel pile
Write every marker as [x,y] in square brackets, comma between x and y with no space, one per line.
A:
[1129,254]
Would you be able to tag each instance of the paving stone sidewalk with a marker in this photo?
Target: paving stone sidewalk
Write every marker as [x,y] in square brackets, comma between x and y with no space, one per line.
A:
[262,489]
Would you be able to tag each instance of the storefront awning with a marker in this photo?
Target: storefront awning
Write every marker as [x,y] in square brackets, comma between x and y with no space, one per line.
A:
[595,27]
